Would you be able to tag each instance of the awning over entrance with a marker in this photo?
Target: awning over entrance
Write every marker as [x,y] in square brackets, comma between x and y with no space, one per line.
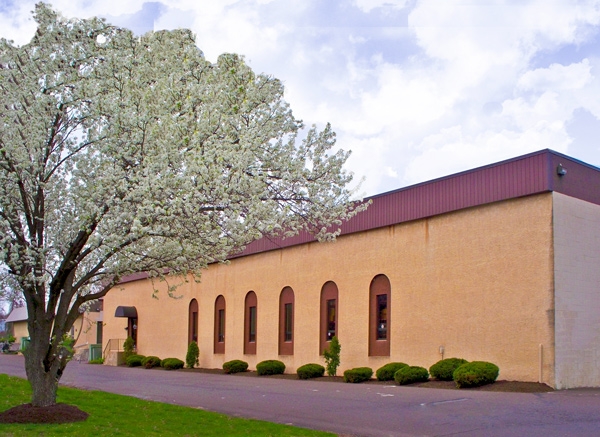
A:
[126,312]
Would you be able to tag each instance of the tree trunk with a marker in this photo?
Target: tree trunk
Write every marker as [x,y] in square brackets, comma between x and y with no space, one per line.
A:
[43,373]
[43,385]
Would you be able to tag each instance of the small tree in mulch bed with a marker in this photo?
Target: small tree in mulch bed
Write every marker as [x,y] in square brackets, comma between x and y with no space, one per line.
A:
[191,358]
[332,356]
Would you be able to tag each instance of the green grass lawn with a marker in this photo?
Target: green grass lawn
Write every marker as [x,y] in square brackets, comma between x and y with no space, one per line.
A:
[117,415]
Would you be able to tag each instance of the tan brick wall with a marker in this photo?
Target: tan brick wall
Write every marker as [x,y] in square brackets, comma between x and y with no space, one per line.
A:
[577,279]
[476,281]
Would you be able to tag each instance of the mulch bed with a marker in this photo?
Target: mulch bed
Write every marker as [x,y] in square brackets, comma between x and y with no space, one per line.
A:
[498,386]
[57,413]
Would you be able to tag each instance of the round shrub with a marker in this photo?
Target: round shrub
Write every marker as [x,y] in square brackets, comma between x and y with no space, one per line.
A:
[386,372]
[235,366]
[411,374]
[270,367]
[311,370]
[171,364]
[150,362]
[444,369]
[475,374]
[134,360]
[358,374]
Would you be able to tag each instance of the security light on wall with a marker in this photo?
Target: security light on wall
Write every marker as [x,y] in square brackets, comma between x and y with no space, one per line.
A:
[560,170]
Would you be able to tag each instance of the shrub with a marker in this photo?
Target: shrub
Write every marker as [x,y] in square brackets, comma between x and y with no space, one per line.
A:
[171,364]
[235,366]
[270,367]
[444,369]
[134,360]
[386,372]
[191,358]
[358,374]
[150,362]
[475,374]
[96,361]
[332,356]
[411,374]
[311,370]
[128,346]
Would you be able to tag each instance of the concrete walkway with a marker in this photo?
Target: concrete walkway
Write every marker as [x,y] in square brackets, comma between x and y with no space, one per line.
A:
[355,409]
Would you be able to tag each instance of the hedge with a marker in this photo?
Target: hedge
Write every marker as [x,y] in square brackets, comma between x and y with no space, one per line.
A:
[475,374]
[171,364]
[151,361]
[411,374]
[134,360]
[270,367]
[358,374]
[235,366]
[444,369]
[311,370]
[386,372]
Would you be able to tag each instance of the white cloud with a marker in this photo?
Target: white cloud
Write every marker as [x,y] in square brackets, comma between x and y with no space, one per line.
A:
[369,5]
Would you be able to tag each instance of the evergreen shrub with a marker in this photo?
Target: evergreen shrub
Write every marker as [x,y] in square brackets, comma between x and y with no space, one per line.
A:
[411,374]
[358,374]
[193,352]
[171,364]
[150,362]
[235,366]
[311,370]
[128,346]
[134,360]
[444,369]
[332,356]
[270,367]
[386,372]
[475,374]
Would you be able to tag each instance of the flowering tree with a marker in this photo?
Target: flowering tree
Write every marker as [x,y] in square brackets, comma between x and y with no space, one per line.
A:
[121,154]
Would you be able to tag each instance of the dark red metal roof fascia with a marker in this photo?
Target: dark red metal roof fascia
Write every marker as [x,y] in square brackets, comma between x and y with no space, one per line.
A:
[581,180]
[517,177]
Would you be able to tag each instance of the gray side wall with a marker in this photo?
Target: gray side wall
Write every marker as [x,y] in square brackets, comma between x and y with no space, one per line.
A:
[577,292]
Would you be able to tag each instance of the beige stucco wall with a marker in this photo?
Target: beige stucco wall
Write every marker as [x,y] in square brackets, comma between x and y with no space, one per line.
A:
[19,330]
[477,281]
[577,285]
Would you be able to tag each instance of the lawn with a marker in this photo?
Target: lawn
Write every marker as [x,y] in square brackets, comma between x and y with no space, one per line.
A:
[118,415]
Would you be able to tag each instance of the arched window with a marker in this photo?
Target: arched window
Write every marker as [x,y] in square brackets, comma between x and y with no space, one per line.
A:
[219,325]
[250,320]
[329,314]
[286,322]
[193,321]
[379,316]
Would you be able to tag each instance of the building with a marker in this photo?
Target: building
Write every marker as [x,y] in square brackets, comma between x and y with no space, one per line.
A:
[87,329]
[499,263]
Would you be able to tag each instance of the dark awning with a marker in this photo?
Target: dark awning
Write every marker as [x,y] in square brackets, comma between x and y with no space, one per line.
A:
[126,312]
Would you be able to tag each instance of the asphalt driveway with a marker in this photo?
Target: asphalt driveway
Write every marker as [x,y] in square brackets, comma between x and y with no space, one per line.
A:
[354,409]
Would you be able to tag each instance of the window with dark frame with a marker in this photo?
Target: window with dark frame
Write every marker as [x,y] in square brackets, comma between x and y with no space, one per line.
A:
[252,324]
[221,335]
[329,315]
[286,321]
[289,314]
[331,304]
[381,316]
[219,327]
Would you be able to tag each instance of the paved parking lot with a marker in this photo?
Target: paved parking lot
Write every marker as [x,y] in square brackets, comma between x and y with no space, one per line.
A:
[355,409]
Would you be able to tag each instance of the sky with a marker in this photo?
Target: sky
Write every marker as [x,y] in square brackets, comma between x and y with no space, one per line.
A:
[415,89]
